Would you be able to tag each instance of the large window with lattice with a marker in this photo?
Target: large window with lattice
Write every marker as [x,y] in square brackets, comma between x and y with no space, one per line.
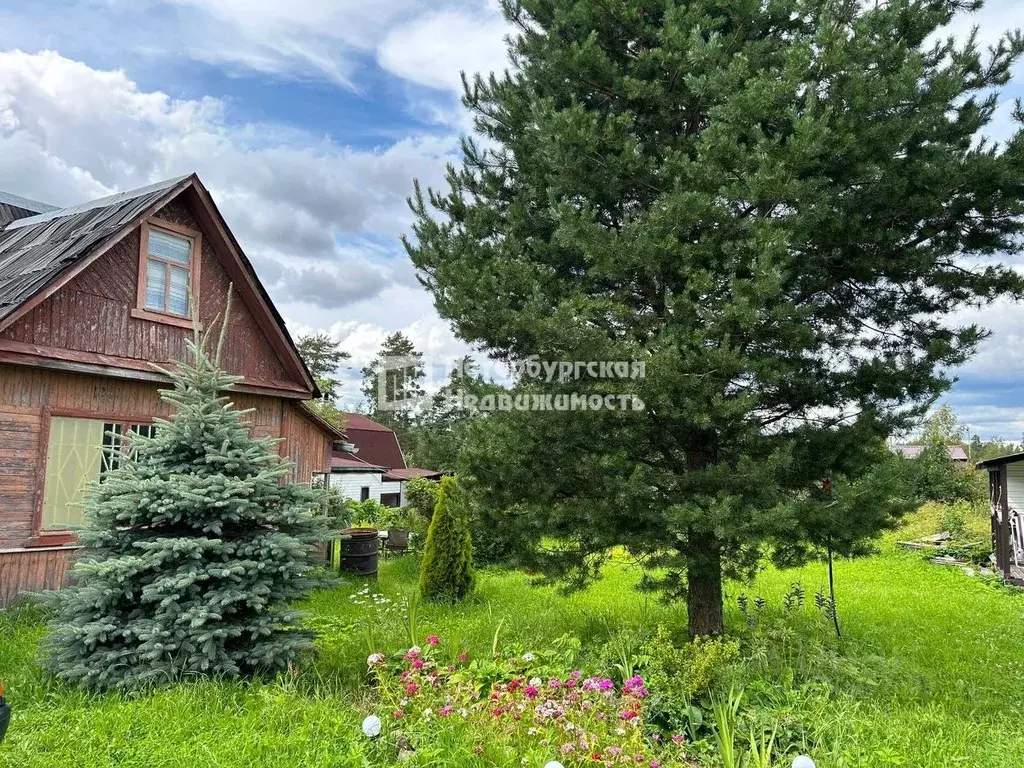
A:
[79,451]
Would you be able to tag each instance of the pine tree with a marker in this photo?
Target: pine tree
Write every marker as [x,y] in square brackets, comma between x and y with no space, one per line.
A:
[775,206]
[194,551]
[322,355]
[399,368]
[446,572]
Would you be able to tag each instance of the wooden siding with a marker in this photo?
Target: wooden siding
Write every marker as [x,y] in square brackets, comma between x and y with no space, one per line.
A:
[30,396]
[92,313]
[33,570]
[305,444]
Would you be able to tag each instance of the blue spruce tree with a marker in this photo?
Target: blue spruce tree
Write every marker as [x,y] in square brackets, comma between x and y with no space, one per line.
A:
[194,551]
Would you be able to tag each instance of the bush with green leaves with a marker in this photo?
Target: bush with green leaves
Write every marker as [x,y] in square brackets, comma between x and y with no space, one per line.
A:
[421,496]
[446,573]
[194,551]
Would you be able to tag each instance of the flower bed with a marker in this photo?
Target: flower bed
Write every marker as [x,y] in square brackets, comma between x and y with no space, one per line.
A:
[533,705]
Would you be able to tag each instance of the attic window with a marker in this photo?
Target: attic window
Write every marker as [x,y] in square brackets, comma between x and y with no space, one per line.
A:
[168,271]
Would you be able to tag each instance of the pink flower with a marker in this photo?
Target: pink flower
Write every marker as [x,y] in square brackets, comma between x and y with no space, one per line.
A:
[635,687]
[554,682]
[568,748]
[570,683]
[412,653]
[655,764]
[417,664]
[678,738]
[614,750]
[398,714]
[411,689]
[576,674]
[463,657]
[627,715]
[530,691]
[444,711]
[433,640]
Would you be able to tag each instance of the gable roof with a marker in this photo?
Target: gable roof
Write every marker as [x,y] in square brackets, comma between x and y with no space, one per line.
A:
[377,444]
[41,252]
[36,249]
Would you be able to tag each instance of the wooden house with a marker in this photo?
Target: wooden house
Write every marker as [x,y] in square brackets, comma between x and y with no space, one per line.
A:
[1006,495]
[91,297]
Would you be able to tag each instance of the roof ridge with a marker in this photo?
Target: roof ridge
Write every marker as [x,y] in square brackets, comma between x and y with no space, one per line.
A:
[101,202]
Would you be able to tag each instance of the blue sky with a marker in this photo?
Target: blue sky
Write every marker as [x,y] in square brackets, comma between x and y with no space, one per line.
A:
[308,120]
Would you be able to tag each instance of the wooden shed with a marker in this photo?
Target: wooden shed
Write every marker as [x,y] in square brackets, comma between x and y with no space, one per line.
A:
[92,299]
[1006,496]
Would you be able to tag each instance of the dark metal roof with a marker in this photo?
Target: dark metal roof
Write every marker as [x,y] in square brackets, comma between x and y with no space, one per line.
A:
[36,249]
[1012,458]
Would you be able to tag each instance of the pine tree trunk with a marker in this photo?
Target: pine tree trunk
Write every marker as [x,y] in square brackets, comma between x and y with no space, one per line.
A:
[704,585]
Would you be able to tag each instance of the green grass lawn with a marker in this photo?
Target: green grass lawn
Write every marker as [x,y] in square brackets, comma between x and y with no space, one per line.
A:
[929,673]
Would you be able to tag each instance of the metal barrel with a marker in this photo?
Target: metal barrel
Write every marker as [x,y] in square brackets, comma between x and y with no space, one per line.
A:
[359,552]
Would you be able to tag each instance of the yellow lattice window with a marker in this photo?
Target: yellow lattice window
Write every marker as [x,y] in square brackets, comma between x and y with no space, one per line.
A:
[79,451]
[73,458]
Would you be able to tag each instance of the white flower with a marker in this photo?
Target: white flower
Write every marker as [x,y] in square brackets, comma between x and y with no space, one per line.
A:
[803,761]
[428,712]
[536,682]
[375,659]
[371,726]
[464,712]
[528,657]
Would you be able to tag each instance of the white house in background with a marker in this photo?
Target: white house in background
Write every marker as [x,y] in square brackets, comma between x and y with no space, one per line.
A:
[374,466]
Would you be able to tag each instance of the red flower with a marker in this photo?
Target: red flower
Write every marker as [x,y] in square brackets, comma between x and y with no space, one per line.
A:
[398,714]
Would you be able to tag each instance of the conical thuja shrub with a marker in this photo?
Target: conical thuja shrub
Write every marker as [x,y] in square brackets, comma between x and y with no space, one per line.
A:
[195,550]
[446,573]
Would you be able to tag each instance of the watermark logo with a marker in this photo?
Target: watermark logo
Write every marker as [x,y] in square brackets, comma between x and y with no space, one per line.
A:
[409,382]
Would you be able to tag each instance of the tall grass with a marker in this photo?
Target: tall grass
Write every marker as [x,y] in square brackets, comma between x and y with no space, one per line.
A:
[928,674]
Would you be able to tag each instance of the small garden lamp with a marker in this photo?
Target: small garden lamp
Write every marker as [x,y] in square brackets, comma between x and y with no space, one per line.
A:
[803,761]
[371,726]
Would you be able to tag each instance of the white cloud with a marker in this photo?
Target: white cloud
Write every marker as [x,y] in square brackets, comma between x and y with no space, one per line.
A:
[435,47]
[320,219]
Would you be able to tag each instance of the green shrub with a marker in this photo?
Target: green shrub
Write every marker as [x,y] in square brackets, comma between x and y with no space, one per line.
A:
[421,496]
[687,669]
[446,574]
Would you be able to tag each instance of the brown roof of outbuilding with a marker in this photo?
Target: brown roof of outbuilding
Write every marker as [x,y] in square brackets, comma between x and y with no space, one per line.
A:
[956,452]
[377,444]
[346,462]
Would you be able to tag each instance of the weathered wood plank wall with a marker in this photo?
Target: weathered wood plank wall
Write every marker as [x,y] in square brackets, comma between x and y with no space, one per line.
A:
[33,570]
